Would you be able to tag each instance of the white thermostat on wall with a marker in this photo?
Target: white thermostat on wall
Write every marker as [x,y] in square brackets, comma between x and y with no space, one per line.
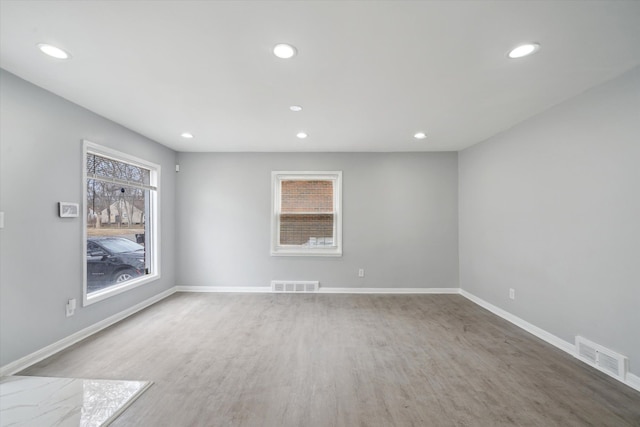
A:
[68,210]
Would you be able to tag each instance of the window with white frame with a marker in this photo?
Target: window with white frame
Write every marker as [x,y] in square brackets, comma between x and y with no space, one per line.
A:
[306,214]
[120,222]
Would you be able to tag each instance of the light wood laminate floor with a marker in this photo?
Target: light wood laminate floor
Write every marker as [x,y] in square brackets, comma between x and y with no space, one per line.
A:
[341,360]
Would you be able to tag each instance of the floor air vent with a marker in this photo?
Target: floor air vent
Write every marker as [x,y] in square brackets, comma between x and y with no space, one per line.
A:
[294,286]
[602,358]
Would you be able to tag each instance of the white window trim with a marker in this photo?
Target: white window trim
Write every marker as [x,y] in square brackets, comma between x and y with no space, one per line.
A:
[90,147]
[284,250]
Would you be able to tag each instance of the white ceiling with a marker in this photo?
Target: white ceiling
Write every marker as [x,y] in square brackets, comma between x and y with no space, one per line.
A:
[368,74]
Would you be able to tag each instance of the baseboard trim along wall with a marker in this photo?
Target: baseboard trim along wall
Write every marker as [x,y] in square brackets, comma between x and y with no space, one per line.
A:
[631,380]
[388,290]
[224,289]
[50,350]
[321,290]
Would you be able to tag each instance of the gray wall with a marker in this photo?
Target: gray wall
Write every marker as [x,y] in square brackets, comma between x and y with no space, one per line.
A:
[400,220]
[552,209]
[40,253]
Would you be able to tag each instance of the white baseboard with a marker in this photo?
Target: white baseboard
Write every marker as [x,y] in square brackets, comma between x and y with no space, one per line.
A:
[242,289]
[324,290]
[321,290]
[50,350]
[631,380]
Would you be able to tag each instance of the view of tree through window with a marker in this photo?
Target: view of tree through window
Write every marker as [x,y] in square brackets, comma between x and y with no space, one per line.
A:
[118,206]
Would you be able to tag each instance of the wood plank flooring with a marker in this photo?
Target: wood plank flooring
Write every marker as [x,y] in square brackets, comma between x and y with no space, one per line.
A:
[341,360]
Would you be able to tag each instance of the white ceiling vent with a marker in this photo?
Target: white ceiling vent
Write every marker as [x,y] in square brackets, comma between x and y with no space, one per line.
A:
[294,286]
[602,358]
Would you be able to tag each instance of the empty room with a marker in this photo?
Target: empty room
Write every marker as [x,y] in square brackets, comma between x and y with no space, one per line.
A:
[320,213]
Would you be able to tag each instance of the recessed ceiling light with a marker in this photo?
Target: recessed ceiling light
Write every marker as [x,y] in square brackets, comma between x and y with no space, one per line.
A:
[284,51]
[295,108]
[420,135]
[524,50]
[186,135]
[301,135]
[53,51]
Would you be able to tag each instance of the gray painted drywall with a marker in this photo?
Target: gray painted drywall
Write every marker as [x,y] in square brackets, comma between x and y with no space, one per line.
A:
[40,253]
[551,208]
[400,220]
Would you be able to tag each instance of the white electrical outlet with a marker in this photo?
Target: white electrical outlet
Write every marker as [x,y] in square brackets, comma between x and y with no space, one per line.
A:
[512,293]
[361,272]
[71,307]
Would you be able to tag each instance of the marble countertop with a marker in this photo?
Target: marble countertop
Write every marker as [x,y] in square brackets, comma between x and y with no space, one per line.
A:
[45,401]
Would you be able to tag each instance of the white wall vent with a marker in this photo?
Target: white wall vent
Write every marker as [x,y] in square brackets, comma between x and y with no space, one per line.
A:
[608,361]
[294,286]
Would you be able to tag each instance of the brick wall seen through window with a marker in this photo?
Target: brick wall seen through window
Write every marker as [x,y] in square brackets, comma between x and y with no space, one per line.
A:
[307,213]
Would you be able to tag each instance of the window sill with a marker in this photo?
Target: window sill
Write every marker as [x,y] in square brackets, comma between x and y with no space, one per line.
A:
[308,252]
[116,290]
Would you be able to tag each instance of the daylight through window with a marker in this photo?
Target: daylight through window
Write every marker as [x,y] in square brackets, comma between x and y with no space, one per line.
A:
[306,215]
[121,195]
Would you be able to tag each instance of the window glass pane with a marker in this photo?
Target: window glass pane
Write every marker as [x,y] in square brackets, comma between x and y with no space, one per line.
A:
[307,217]
[110,168]
[307,196]
[116,233]
[306,229]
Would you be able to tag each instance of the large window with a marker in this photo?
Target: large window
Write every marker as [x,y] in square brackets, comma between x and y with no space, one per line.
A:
[120,239]
[306,214]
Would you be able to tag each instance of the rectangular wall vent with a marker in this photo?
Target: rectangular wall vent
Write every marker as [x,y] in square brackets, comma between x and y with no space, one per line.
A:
[294,286]
[608,361]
